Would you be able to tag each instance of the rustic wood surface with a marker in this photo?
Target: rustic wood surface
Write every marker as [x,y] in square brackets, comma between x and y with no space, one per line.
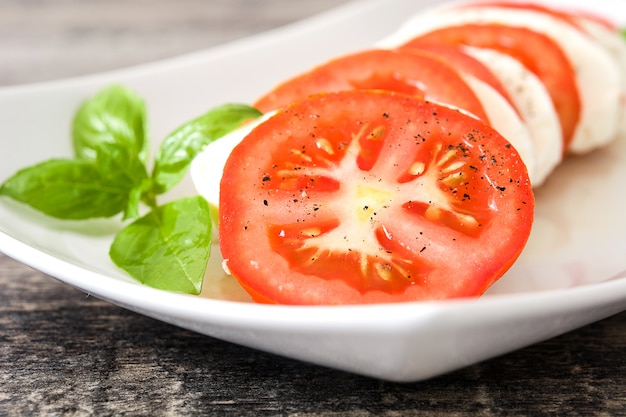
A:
[64,353]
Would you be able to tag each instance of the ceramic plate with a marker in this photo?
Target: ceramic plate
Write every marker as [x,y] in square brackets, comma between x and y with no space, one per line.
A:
[572,272]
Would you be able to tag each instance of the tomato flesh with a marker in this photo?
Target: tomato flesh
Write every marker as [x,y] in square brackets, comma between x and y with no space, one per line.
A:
[369,197]
[410,72]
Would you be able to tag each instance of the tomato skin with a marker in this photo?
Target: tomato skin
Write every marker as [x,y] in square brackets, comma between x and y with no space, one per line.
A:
[535,51]
[412,72]
[271,207]
[463,62]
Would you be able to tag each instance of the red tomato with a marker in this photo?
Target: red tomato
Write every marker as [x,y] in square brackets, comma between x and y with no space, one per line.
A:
[537,52]
[370,197]
[415,73]
[463,62]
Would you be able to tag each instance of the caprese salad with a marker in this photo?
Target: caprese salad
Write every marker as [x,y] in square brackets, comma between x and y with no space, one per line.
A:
[405,172]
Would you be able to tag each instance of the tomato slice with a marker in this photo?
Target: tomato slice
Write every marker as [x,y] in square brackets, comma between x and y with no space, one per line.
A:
[410,72]
[463,62]
[369,197]
[540,54]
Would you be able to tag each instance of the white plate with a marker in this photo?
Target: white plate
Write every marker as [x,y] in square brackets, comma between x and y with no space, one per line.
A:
[571,274]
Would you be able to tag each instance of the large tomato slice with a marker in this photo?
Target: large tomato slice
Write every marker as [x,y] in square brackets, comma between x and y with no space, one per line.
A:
[536,51]
[368,197]
[411,72]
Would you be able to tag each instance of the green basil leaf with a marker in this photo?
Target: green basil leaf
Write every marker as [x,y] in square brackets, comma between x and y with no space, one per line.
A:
[122,167]
[180,147]
[67,189]
[169,247]
[120,164]
[135,196]
[114,115]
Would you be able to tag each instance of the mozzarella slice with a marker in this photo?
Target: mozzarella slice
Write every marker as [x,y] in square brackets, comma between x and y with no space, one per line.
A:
[506,121]
[597,73]
[614,43]
[207,167]
[533,102]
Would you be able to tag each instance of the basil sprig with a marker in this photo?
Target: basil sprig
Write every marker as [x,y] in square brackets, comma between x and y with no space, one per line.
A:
[168,248]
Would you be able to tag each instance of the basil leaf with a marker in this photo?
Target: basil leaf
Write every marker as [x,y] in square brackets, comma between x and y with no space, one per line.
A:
[67,189]
[169,247]
[135,196]
[123,169]
[120,164]
[114,115]
[180,147]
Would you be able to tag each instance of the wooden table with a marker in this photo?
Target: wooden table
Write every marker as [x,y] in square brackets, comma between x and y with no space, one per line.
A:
[65,353]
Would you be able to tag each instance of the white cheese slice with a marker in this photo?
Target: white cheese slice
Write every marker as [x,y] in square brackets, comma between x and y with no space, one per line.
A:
[533,102]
